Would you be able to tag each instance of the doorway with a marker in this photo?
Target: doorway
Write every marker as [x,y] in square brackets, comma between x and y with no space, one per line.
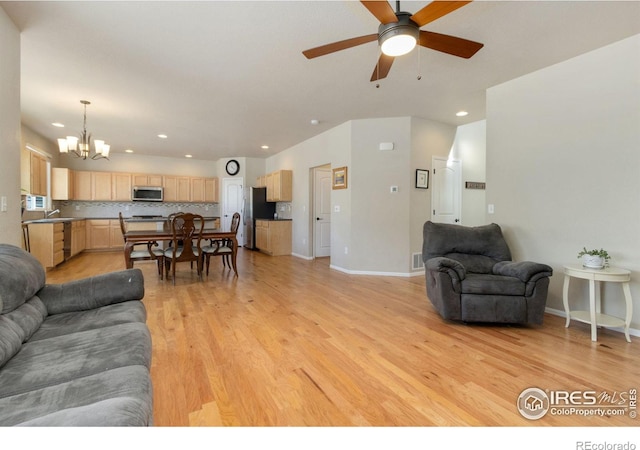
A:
[446,195]
[321,211]
[232,202]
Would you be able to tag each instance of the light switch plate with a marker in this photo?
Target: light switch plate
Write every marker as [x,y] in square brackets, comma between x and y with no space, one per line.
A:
[3,204]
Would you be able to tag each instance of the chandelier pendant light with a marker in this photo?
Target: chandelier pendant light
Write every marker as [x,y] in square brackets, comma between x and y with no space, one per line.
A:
[80,147]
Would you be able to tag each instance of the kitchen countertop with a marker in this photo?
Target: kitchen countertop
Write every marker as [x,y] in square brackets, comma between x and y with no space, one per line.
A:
[73,219]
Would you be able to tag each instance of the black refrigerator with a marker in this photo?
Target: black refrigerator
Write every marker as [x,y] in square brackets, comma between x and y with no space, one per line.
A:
[256,206]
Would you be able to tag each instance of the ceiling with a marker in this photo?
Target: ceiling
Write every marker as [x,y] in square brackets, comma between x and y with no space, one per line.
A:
[223,78]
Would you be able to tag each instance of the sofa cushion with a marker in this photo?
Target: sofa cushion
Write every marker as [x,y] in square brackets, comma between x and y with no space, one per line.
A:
[492,284]
[22,276]
[121,396]
[28,317]
[10,339]
[67,323]
[60,359]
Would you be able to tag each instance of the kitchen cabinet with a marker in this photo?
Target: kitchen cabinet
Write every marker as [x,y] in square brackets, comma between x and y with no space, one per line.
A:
[82,185]
[261,181]
[62,184]
[211,192]
[47,243]
[116,240]
[143,179]
[121,187]
[38,174]
[78,237]
[273,237]
[204,190]
[101,186]
[176,188]
[98,234]
[280,186]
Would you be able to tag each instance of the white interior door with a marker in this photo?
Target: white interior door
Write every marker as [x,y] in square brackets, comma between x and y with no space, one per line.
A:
[446,195]
[322,212]
[232,195]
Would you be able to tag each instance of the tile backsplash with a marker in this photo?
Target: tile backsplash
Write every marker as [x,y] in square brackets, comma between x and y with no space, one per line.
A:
[128,209]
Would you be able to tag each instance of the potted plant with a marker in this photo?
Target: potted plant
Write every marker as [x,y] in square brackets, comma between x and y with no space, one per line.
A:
[594,259]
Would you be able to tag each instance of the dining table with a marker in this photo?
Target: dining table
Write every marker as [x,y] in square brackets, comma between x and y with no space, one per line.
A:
[143,236]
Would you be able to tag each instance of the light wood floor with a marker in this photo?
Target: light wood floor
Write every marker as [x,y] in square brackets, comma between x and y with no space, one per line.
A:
[292,342]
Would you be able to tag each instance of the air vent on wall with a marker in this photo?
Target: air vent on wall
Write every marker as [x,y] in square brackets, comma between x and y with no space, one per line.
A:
[417,261]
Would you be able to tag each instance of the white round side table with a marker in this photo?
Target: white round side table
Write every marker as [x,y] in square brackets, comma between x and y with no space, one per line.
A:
[594,315]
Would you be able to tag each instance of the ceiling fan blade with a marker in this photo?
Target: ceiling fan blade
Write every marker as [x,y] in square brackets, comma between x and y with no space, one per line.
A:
[449,44]
[382,10]
[382,68]
[435,10]
[340,45]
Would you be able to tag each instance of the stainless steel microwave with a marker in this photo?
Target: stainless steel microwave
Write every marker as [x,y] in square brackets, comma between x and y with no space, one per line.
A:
[147,194]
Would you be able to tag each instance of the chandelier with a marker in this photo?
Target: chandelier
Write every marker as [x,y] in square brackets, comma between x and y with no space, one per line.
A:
[81,147]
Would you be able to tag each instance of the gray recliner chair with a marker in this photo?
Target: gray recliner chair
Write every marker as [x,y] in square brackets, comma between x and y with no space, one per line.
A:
[471,278]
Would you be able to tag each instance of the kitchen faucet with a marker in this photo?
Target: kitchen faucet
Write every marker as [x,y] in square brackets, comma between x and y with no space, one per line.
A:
[46,215]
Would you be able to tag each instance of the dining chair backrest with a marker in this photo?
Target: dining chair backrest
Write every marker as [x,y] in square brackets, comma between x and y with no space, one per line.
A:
[122,227]
[185,229]
[235,222]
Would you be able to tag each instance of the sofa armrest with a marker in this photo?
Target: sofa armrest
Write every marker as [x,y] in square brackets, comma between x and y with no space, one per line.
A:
[93,292]
[524,270]
[441,264]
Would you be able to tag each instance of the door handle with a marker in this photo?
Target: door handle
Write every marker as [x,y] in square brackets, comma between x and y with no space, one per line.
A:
[457,220]
[317,218]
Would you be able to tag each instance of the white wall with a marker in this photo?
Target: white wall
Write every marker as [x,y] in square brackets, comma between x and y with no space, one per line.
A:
[563,165]
[379,229]
[470,148]
[10,130]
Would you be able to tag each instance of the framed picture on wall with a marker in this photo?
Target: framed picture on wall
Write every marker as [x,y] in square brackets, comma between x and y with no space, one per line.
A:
[339,179]
[422,179]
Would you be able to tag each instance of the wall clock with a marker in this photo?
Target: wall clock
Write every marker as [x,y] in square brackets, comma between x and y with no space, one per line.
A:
[233,167]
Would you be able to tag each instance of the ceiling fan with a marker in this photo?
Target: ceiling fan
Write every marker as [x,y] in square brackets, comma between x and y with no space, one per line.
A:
[399,32]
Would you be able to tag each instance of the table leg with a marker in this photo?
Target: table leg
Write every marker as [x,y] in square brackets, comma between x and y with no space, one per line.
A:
[234,253]
[592,310]
[565,299]
[128,246]
[627,319]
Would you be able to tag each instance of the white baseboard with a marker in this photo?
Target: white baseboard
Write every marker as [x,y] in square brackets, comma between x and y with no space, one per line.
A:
[381,274]
[561,313]
[297,255]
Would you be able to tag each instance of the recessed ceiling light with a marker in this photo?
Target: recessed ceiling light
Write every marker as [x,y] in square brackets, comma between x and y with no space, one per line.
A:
[315,121]
[461,113]
[265,147]
[162,136]
[188,156]
[128,150]
[58,124]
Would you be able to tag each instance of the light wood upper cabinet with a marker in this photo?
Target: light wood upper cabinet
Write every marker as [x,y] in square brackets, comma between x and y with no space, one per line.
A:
[143,179]
[38,173]
[62,184]
[280,186]
[197,190]
[121,187]
[101,185]
[204,190]
[176,188]
[211,192]
[82,185]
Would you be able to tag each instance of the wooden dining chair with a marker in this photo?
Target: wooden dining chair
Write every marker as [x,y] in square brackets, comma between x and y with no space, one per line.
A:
[186,231]
[222,247]
[25,237]
[146,251]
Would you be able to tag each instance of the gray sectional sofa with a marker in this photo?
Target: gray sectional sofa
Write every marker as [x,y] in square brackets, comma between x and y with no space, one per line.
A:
[72,354]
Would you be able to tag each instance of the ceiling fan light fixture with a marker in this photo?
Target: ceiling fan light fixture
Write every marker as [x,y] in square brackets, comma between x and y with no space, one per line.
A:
[398,38]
